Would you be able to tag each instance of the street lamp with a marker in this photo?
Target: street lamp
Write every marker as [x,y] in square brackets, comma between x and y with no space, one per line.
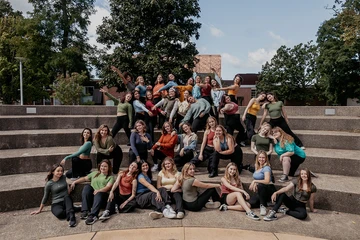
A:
[21,59]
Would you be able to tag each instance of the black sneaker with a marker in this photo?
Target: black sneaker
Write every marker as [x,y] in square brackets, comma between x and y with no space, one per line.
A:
[72,222]
[91,220]
[213,174]
[252,216]
[271,216]
[84,215]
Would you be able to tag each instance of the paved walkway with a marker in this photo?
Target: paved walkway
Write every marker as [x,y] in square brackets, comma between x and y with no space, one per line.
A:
[183,233]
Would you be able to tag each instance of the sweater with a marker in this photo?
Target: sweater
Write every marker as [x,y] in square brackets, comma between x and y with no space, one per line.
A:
[85,150]
[104,147]
[200,106]
[167,144]
[137,145]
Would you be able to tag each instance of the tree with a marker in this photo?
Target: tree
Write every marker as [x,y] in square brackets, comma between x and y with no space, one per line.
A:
[69,89]
[338,63]
[149,37]
[291,73]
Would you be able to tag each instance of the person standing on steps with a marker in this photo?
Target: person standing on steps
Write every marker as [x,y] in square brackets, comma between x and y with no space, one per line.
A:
[126,78]
[61,204]
[233,89]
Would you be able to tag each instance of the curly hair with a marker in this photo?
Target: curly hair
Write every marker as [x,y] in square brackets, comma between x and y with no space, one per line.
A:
[236,176]
[284,137]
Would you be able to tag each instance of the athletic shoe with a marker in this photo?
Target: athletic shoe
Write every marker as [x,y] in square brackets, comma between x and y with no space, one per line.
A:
[91,220]
[271,216]
[223,207]
[282,210]
[284,178]
[252,216]
[262,210]
[170,209]
[72,222]
[180,215]
[154,168]
[242,144]
[168,214]
[84,215]
[212,205]
[156,215]
[105,215]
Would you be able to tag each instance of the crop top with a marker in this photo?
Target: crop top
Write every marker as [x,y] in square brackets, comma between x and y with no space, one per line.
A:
[225,190]
[85,150]
[206,90]
[254,109]
[275,109]
[234,109]
[124,107]
[234,91]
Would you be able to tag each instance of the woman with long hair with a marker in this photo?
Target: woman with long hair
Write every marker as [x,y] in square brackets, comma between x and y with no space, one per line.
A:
[151,120]
[167,104]
[147,196]
[188,142]
[232,193]
[234,88]
[207,145]
[141,112]
[159,83]
[80,160]
[262,184]
[140,86]
[140,142]
[189,185]
[124,113]
[164,147]
[95,195]
[188,87]
[250,114]
[107,148]
[61,204]
[125,77]
[278,117]
[123,192]
[225,148]
[167,177]
[179,110]
[290,155]
[216,96]
[232,119]
[303,191]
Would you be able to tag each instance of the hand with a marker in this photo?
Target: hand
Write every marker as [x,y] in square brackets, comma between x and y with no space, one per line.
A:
[163,113]
[243,118]
[35,212]
[144,139]
[129,125]
[170,120]
[111,196]
[62,162]
[96,191]
[152,152]
[212,69]
[158,197]
[247,196]
[103,90]
[202,114]
[111,148]
[201,157]
[153,108]
[123,205]
[181,152]
[158,144]
[72,186]
[138,159]
[281,158]
[150,114]
[222,111]
[148,87]
[173,133]
[273,197]
[113,68]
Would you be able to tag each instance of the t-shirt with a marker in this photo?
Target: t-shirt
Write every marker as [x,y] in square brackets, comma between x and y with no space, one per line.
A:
[165,181]
[58,190]
[140,187]
[289,147]
[302,195]
[261,143]
[100,181]
[275,109]
[190,193]
[260,174]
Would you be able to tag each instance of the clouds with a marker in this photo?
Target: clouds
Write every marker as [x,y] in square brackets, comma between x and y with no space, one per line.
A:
[277,38]
[216,32]
[21,5]
[96,20]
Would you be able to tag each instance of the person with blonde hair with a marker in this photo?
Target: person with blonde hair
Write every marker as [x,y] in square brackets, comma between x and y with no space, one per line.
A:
[189,185]
[303,191]
[290,155]
[166,179]
[233,195]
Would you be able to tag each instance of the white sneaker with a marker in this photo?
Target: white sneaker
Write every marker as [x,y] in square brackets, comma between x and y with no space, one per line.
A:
[212,205]
[180,215]
[156,215]
[166,212]
[263,210]
[170,209]
[154,168]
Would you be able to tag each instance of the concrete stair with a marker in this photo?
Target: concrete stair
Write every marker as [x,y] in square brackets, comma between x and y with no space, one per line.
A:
[32,138]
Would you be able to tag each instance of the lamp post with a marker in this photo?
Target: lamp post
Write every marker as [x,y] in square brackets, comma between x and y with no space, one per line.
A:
[21,59]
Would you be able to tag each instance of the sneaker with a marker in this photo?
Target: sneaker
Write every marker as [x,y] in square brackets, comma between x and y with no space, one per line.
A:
[91,220]
[282,210]
[156,215]
[168,214]
[180,215]
[252,216]
[223,207]
[84,215]
[170,209]
[154,168]
[105,215]
[212,205]
[284,178]
[263,210]
[242,144]
[271,216]
[72,222]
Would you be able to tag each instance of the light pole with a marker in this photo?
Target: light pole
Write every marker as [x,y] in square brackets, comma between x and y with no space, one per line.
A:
[21,59]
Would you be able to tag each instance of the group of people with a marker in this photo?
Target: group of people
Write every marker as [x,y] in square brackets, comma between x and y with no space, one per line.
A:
[175,156]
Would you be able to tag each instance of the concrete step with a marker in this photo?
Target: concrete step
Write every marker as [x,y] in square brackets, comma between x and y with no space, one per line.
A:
[28,160]
[21,191]
[30,122]
[15,139]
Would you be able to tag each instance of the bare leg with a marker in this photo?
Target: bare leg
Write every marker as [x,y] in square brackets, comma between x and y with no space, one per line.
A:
[286,164]
[236,201]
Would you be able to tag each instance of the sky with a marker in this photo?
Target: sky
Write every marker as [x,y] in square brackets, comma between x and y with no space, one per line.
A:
[246,33]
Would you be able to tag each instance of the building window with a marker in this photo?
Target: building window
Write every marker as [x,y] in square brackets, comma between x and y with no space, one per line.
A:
[253,93]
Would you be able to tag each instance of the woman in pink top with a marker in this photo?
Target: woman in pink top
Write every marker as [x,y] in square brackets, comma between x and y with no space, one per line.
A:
[232,193]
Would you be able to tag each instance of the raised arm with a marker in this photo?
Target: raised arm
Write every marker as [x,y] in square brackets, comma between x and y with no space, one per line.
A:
[115,69]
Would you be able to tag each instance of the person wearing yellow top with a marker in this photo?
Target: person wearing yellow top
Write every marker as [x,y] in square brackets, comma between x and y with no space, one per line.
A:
[182,89]
[251,110]
[233,89]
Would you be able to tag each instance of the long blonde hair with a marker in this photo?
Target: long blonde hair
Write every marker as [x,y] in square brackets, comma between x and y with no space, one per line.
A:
[257,164]
[184,172]
[284,137]
[236,176]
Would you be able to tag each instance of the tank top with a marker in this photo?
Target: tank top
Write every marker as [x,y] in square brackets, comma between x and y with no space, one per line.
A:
[223,145]
[225,190]
[210,138]
[234,109]
[254,108]
[233,91]
[206,91]
[125,184]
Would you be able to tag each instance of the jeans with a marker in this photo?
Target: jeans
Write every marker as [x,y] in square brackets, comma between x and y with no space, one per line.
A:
[119,199]
[176,198]
[263,196]
[91,201]
[147,200]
